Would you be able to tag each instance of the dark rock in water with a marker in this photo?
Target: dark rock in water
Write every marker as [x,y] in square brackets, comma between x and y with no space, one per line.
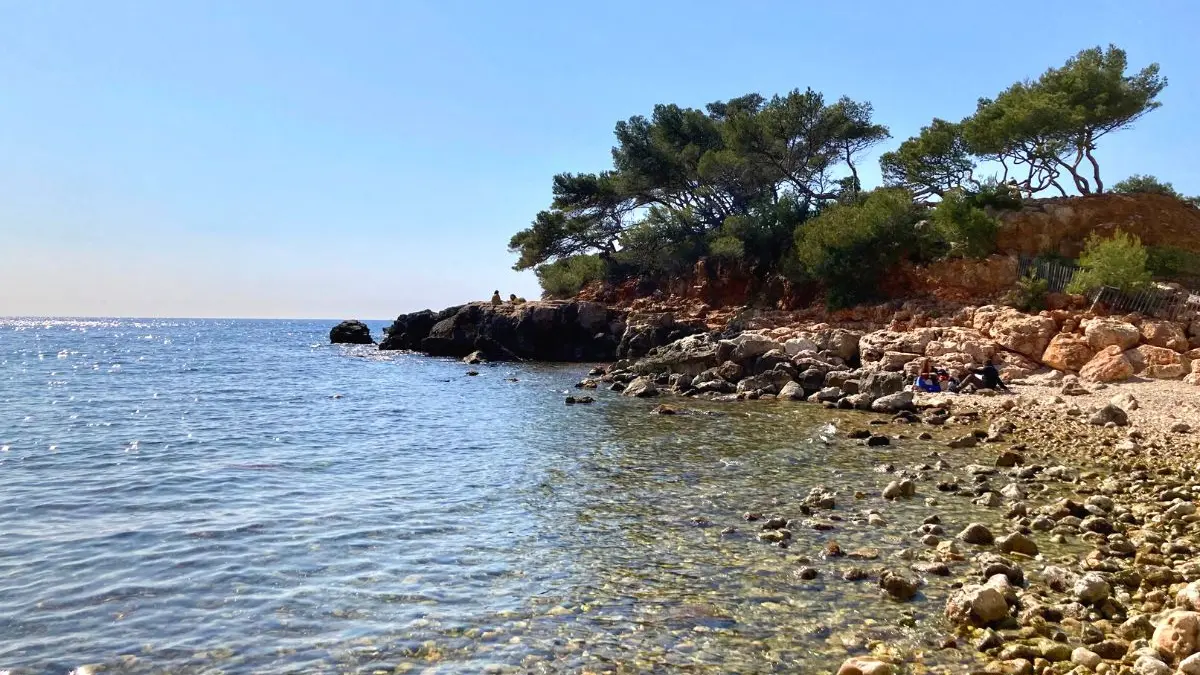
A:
[876,440]
[572,400]
[351,333]
[474,358]
[897,586]
[543,331]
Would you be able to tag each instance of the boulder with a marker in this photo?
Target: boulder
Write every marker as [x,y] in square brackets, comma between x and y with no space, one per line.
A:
[1067,351]
[1091,589]
[1189,597]
[1108,365]
[798,345]
[1102,333]
[1017,543]
[897,586]
[746,346]
[1178,635]
[1157,362]
[477,357]
[791,391]
[893,403]
[964,344]
[762,384]
[1016,331]
[977,534]
[691,356]
[641,387]
[1165,334]
[1125,401]
[976,605]
[873,346]
[880,384]
[1109,413]
[351,333]
[838,341]
[642,332]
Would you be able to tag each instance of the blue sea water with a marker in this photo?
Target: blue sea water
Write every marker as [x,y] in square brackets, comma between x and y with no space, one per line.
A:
[240,496]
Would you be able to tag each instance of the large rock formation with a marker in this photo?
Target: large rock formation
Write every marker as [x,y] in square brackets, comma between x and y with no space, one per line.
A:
[1025,334]
[1063,224]
[541,331]
[1068,351]
[351,333]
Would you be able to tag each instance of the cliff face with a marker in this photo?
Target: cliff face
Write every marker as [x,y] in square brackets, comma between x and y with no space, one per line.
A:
[1061,225]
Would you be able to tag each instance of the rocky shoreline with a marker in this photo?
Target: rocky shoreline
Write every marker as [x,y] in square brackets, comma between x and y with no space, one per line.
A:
[1123,482]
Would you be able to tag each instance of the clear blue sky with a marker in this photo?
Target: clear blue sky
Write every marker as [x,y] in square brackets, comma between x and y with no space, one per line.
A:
[360,159]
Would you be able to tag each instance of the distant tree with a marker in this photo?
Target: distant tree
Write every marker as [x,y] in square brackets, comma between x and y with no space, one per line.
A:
[1045,129]
[930,163]
[1120,262]
[1139,183]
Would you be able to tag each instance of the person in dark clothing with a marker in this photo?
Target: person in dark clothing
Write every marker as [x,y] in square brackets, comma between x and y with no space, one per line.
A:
[986,377]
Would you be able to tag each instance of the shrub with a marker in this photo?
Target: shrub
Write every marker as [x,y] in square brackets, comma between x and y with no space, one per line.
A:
[1119,262]
[1139,183]
[970,231]
[992,194]
[849,247]
[1169,262]
[565,277]
[1029,295]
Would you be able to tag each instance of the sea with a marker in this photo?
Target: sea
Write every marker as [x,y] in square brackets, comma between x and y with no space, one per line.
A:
[212,496]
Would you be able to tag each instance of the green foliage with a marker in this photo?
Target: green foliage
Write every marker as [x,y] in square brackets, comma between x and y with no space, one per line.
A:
[930,163]
[1138,183]
[565,277]
[1048,127]
[992,194]
[970,231]
[1172,262]
[1029,295]
[850,247]
[732,181]
[1120,262]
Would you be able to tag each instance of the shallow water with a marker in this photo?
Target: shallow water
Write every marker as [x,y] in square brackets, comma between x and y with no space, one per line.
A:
[238,496]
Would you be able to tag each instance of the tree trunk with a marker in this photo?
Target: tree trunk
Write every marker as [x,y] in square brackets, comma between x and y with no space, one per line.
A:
[1095,171]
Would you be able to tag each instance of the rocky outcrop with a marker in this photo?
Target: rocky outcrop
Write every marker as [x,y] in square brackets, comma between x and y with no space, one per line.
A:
[351,333]
[542,331]
[645,331]
[1157,362]
[1165,334]
[1062,225]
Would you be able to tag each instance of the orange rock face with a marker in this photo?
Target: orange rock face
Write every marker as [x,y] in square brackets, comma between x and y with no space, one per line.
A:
[1063,225]
[1165,334]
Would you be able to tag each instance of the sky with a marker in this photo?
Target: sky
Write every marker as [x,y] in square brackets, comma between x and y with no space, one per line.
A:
[311,159]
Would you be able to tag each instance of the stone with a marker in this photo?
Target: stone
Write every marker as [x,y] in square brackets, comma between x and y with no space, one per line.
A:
[1177,635]
[977,605]
[1148,665]
[1071,387]
[1157,362]
[1188,597]
[977,534]
[1085,657]
[1108,365]
[1102,333]
[1068,351]
[899,488]
[864,666]
[1107,414]
[1010,458]
[880,384]
[968,441]
[1017,543]
[641,387]
[797,345]
[893,403]
[351,333]
[1164,334]
[1125,401]
[1091,589]
[897,586]
[1111,649]
[1180,428]
[877,440]
[1190,665]
[791,391]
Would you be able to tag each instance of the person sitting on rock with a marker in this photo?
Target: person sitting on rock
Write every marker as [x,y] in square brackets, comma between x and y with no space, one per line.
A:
[946,381]
[496,298]
[926,381]
[512,297]
[986,377]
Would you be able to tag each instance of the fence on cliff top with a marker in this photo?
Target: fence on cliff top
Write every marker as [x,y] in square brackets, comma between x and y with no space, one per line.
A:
[1153,301]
